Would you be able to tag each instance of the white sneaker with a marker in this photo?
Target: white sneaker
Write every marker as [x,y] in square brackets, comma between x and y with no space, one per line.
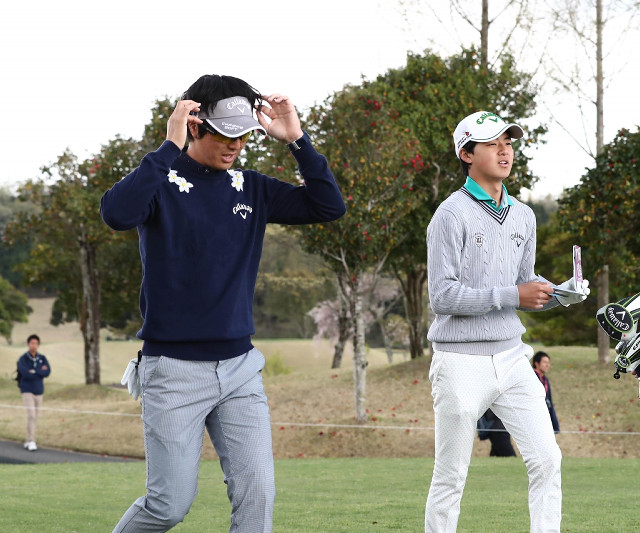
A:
[32,446]
[26,444]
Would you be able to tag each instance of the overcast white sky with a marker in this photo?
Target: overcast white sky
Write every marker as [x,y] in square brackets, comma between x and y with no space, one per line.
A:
[76,73]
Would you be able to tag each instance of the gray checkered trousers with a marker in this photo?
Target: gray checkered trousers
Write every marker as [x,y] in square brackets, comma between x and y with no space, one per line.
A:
[179,400]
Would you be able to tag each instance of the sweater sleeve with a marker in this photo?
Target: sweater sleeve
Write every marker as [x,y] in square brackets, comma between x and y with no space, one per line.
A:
[131,201]
[448,296]
[41,370]
[318,200]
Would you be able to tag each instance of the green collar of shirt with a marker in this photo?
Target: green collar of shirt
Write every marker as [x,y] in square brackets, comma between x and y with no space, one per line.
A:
[480,194]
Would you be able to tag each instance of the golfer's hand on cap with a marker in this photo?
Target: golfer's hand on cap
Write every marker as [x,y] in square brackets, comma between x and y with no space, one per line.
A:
[283,123]
[534,294]
[179,120]
[582,290]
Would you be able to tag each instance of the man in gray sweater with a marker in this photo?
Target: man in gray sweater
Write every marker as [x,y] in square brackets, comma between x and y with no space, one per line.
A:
[481,246]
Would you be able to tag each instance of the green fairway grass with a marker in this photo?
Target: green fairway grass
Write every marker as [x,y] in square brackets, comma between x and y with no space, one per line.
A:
[325,495]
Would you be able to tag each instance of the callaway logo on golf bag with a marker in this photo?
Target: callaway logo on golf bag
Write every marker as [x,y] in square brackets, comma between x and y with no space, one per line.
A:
[620,321]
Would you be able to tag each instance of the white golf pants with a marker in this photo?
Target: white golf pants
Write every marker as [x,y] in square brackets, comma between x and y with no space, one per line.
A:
[463,387]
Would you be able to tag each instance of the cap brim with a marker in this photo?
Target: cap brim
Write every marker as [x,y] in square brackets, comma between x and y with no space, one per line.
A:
[235,126]
[515,131]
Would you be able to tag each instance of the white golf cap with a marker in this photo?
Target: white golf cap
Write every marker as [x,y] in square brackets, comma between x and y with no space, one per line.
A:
[483,126]
[232,117]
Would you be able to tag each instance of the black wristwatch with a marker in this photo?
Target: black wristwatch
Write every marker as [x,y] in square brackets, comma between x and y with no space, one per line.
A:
[296,145]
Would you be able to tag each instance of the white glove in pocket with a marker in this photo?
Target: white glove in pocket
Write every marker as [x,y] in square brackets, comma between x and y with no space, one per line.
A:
[131,379]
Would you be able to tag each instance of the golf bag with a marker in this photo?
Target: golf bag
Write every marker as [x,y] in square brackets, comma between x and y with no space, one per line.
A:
[620,321]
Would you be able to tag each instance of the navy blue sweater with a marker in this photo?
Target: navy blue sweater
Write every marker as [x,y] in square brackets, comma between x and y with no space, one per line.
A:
[201,233]
[33,371]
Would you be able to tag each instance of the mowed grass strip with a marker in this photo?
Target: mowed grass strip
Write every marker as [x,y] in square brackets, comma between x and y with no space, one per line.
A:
[320,495]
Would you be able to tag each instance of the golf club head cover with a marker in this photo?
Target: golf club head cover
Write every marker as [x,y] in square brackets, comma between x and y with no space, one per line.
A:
[619,320]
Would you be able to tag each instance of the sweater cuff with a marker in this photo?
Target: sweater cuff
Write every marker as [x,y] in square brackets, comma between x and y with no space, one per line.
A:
[304,147]
[509,296]
[168,153]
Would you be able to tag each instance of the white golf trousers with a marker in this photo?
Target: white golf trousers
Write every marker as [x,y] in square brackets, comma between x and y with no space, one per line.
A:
[463,387]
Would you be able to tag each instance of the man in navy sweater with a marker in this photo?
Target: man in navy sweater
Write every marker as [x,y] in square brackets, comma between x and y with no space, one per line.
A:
[33,367]
[201,227]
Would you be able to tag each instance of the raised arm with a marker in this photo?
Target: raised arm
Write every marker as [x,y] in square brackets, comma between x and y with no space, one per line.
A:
[319,200]
[130,202]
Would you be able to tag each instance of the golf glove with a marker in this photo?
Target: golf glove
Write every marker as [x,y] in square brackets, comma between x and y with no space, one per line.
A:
[131,379]
[582,289]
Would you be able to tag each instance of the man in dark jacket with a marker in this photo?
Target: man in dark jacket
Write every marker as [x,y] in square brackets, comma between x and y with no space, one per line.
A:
[33,367]
[541,365]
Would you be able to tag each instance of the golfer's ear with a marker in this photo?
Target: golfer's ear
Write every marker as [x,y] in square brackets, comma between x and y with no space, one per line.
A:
[193,128]
[464,155]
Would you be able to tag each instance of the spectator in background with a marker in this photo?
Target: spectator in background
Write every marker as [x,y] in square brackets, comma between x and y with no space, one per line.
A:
[33,367]
[541,365]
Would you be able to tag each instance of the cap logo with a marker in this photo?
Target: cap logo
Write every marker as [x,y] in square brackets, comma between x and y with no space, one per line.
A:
[488,116]
[462,140]
[231,127]
[239,103]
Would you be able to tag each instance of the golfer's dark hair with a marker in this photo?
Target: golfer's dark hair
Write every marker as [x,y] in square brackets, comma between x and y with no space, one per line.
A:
[31,337]
[469,147]
[209,89]
[538,357]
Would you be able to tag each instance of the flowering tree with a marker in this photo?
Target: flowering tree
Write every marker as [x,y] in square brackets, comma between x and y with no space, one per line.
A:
[374,159]
[334,321]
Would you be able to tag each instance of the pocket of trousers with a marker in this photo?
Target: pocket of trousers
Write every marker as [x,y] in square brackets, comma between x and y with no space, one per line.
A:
[436,365]
[147,369]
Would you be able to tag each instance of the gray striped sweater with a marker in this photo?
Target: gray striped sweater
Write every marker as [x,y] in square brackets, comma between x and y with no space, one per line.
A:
[476,257]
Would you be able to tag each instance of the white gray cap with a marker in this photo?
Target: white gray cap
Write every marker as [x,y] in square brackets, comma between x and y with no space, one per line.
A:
[232,117]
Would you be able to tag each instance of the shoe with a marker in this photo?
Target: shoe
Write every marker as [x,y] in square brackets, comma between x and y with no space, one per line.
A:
[32,446]
[26,444]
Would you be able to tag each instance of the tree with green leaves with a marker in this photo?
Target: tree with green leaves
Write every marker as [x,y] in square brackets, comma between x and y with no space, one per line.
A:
[14,307]
[70,246]
[10,207]
[555,261]
[95,270]
[431,95]
[589,23]
[600,213]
